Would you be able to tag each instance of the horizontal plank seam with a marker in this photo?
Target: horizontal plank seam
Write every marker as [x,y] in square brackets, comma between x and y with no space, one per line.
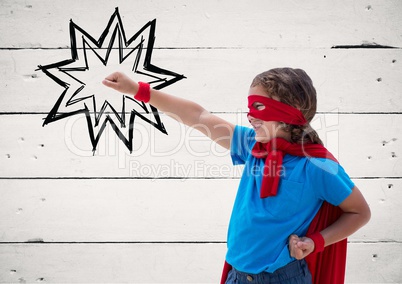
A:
[116,242]
[115,178]
[226,112]
[161,178]
[168,242]
[363,46]
[157,48]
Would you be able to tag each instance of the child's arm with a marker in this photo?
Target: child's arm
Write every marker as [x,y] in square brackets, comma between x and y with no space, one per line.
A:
[184,111]
[356,215]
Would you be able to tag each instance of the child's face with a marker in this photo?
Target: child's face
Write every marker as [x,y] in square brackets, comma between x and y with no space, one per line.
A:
[265,130]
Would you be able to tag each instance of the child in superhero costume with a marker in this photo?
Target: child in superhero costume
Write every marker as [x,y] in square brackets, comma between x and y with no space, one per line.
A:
[295,204]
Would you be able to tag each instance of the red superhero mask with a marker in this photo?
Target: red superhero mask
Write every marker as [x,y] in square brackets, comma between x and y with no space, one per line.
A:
[274,110]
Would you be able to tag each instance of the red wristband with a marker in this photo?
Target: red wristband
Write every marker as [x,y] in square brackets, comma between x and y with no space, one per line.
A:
[319,242]
[144,92]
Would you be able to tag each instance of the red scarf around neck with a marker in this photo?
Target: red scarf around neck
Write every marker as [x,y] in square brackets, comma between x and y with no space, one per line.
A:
[273,153]
[329,265]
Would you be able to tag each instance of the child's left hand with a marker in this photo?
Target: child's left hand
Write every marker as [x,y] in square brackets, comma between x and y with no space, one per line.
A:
[299,248]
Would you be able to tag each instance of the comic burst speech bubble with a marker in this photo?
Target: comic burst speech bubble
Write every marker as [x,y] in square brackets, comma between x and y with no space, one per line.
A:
[91,61]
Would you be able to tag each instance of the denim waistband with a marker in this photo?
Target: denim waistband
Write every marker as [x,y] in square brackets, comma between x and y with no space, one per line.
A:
[294,269]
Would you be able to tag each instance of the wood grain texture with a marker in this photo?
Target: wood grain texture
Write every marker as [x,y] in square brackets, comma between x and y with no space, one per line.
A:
[63,149]
[112,263]
[162,263]
[160,214]
[210,24]
[374,263]
[171,210]
[346,80]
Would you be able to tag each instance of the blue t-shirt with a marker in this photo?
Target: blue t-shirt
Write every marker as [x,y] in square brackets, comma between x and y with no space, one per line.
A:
[259,228]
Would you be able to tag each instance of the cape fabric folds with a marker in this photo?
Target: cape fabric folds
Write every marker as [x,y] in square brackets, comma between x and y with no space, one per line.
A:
[329,265]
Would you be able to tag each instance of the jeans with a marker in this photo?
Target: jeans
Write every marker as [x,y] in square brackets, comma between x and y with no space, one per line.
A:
[295,272]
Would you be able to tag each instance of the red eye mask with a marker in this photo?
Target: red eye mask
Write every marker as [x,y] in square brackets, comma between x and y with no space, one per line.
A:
[274,111]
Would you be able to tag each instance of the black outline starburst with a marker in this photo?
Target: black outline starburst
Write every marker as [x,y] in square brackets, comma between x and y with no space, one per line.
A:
[127,48]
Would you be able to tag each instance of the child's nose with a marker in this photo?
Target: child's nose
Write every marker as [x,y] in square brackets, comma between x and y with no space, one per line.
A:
[250,118]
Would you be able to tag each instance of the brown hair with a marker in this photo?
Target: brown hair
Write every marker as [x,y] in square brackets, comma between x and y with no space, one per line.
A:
[295,88]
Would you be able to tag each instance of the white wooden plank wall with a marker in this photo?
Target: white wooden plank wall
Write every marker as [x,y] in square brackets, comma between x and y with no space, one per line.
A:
[160,214]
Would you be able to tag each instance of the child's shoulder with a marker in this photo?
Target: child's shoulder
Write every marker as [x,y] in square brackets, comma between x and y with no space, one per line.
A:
[244,130]
[324,166]
[243,135]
